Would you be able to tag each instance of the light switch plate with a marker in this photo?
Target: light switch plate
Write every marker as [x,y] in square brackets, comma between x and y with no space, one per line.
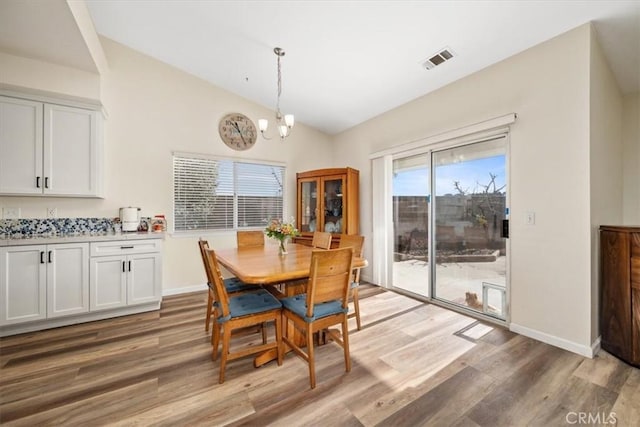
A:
[530,218]
[10,213]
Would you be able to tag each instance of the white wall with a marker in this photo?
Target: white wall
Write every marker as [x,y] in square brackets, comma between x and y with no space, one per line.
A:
[153,110]
[548,87]
[631,141]
[606,151]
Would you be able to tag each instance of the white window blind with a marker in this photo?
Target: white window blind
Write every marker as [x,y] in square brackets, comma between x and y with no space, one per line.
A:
[216,194]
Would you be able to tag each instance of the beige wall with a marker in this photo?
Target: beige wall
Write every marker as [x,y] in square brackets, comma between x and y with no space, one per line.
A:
[606,181]
[153,110]
[631,141]
[549,173]
[17,71]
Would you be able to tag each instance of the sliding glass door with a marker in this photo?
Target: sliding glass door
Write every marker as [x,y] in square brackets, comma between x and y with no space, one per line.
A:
[470,207]
[411,197]
[451,247]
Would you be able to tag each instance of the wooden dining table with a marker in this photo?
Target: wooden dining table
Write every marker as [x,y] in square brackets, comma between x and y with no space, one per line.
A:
[264,265]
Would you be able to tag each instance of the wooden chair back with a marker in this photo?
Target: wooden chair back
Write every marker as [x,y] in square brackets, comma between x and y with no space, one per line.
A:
[204,246]
[329,277]
[250,238]
[321,240]
[356,242]
[217,282]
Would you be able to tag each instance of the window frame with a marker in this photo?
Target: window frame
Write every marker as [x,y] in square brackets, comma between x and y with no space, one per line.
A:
[234,160]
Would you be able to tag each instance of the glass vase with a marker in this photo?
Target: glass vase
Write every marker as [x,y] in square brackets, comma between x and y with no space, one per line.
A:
[282,248]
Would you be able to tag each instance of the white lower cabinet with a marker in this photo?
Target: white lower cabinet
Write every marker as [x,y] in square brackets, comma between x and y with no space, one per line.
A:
[43,282]
[125,273]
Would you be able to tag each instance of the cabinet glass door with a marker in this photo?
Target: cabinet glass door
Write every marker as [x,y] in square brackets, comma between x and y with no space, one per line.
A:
[333,205]
[309,205]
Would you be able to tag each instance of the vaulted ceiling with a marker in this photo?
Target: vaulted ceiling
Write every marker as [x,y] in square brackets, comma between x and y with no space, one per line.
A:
[345,62]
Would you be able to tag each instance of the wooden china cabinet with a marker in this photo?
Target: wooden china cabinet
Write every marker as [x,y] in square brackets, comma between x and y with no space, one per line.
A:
[620,292]
[328,200]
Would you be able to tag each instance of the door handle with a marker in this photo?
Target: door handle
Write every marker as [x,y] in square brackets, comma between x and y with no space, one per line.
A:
[129,265]
[37,182]
[41,257]
[49,256]
[124,269]
[46,182]
[505,229]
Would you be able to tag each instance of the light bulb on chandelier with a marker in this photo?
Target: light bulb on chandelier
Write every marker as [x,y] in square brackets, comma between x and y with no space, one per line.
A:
[284,123]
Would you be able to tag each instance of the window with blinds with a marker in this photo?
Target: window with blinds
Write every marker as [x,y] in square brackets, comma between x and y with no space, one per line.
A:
[218,194]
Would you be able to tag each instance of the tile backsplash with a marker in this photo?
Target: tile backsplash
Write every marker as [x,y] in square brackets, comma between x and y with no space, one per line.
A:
[15,228]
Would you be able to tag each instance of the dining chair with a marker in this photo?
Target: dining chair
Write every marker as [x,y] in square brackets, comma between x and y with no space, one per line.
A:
[240,311]
[250,238]
[325,304]
[356,242]
[232,285]
[321,240]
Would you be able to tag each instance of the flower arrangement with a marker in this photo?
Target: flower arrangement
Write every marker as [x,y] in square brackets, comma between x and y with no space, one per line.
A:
[281,231]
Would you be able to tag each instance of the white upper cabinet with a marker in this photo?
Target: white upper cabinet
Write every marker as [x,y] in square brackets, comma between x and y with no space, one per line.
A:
[20,146]
[70,151]
[49,149]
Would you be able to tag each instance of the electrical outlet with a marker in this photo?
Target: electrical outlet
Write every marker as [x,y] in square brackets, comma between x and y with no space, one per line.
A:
[10,213]
[52,212]
[530,218]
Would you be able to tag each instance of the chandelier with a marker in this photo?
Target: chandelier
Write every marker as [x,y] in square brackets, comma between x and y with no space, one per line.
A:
[283,123]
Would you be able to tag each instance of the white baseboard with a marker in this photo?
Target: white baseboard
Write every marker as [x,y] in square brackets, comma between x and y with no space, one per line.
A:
[595,347]
[582,350]
[21,328]
[184,290]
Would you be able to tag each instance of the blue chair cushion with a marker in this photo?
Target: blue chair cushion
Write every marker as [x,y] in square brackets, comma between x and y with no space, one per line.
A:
[251,303]
[233,284]
[298,304]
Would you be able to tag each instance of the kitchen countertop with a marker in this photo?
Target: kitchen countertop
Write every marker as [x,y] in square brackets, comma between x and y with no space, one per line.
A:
[77,238]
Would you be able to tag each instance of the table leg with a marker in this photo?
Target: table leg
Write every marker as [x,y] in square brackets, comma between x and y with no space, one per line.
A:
[291,289]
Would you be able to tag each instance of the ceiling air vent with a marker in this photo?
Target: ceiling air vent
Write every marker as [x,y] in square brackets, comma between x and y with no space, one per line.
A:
[437,59]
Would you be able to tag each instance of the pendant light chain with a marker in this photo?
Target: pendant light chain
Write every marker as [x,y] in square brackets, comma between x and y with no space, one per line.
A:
[278,113]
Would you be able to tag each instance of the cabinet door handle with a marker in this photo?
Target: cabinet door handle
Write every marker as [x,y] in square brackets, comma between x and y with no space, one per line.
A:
[129,265]
[41,257]
[126,247]
[123,266]
[37,182]
[46,182]
[49,256]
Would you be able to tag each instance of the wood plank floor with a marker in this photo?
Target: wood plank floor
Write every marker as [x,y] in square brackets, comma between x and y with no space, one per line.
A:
[413,364]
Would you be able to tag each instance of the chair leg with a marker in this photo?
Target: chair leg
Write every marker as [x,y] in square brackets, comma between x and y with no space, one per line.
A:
[209,307]
[215,338]
[345,344]
[226,340]
[310,354]
[279,339]
[263,327]
[356,307]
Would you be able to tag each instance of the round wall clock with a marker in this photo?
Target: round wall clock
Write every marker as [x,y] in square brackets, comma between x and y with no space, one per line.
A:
[237,131]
